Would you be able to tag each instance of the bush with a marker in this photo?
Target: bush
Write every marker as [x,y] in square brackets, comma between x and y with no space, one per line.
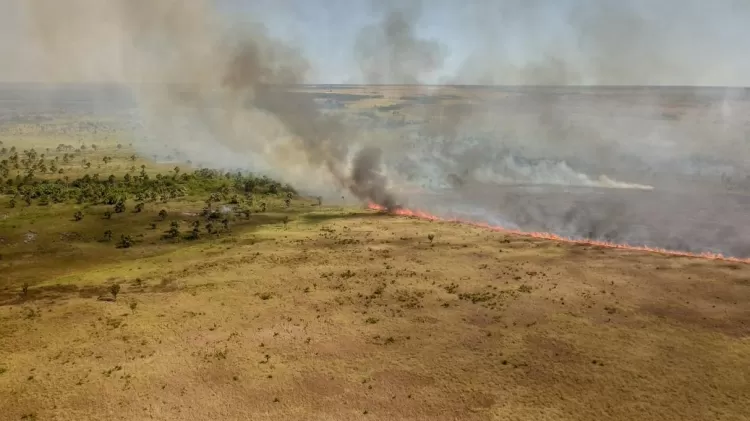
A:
[114,289]
[125,242]
[78,215]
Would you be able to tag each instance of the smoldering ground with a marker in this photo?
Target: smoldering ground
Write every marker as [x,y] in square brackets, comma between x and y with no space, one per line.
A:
[202,84]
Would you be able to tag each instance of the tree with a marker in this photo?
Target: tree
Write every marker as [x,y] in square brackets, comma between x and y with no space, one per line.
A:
[108,235]
[12,202]
[174,230]
[108,214]
[125,242]
[195,233]
[78,215]
[139,207]
[225,222]
[114,289]
[120,207]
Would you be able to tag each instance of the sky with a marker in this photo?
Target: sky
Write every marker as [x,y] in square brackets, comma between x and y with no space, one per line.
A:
[508,42]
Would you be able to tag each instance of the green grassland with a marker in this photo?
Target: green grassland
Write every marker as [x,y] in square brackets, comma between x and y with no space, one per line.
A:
[66,206]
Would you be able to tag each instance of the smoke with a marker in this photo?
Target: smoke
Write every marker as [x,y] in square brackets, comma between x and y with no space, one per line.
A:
[390,51]
[188,68]
[232,93]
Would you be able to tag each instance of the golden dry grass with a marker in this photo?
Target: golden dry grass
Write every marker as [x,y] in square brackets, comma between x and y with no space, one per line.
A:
[359,316]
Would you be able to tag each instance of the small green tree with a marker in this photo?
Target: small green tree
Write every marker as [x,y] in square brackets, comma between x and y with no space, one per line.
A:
[108,214]
[120,207]
[139,207]
[78,215]
[108,235]
[195,234]
[163,214]
[125,242]
[114,289]
[174,230]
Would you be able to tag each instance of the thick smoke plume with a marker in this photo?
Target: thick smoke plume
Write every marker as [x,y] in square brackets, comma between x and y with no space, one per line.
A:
[187,66]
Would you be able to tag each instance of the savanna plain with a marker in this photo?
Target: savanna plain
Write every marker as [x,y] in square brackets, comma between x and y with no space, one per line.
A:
[135,288]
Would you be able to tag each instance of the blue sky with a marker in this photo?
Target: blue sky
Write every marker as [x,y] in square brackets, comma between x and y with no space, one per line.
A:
[690,42]
[327,29]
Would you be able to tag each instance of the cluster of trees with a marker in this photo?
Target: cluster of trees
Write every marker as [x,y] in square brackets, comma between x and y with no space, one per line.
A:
[234,188]
[26,187]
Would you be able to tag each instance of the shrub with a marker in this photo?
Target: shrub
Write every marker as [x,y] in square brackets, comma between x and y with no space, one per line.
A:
[114,289]
[125,242]
[78,215]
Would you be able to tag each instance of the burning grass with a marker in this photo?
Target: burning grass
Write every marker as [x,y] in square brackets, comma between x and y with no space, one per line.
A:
[554,237]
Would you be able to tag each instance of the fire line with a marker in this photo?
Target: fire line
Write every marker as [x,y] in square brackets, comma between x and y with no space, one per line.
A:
[553,237]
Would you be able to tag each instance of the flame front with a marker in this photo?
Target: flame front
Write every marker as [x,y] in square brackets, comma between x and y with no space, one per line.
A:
[549,236]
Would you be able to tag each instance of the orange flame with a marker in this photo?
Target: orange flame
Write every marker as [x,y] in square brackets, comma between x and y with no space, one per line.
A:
[554,237]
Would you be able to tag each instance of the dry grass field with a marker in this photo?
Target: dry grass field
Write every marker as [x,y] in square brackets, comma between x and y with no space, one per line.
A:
[354,315]
[293,310]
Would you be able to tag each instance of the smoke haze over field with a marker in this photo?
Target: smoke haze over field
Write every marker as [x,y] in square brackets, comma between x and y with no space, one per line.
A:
[538,42]
[210,80]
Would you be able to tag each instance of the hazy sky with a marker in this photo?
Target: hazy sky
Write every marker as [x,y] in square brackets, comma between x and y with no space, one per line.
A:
[666,42]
